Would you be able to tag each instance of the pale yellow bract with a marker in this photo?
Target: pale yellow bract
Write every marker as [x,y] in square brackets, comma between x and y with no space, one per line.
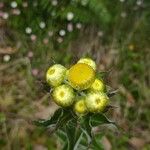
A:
[88,61]
[96,101]
[55,75]
[63,95]
[80,107]
[98,85]
[81,76]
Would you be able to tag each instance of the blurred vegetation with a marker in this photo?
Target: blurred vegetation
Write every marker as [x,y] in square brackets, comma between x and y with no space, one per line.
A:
[36,34]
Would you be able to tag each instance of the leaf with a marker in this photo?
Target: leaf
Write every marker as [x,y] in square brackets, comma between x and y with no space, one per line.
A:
[52,121]
[43,86]
[74,134]
[109,107]
[103,74]
[76,146]
[65,146]
[112,93]
[61,134]
[98,119]
[96,145]
[87,129]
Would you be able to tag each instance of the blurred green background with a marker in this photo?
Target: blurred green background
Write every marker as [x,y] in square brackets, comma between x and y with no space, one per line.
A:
[35,34]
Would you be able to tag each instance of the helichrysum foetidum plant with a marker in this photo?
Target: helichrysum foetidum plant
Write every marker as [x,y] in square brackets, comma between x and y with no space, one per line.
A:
[83,100]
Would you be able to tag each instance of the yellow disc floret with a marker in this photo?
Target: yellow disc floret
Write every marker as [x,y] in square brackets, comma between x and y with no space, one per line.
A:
[98,85]
[63,95]
[81,76]
[80,107]
[55,75]
[96,101]
[88,61]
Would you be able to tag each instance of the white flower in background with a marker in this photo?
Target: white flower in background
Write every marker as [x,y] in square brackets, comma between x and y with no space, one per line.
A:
[13,4]
[1,4]
[30,54]
[78,25]
[123,14]
[122,0]
[59,39]
[100,33]
[35,4]
[70,16]
[50,33]
[25,4]
[6,58]
[42,25]
[45,41]
[28,30]
[54,2]
[139,2]
[16,12]
[84,2]
[5,15]
[62,32]
[70,27]
[33,37]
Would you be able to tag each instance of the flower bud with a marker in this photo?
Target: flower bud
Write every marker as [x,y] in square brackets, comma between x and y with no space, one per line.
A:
[88,61]
[81,76]
[96,101]
[55,75]
[80,107]
[63,95]
[98,85]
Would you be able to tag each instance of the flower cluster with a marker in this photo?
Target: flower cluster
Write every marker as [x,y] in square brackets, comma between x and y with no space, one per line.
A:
[78,87]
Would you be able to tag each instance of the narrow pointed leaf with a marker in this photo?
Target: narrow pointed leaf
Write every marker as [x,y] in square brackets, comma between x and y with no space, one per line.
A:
[112,93]
[52,121]
[98,119]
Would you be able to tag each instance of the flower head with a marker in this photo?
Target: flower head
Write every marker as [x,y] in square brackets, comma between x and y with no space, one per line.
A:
[96,101]
[81,76]
[55,75]
[63,95]
[88,61]
[80,107]
[98,85]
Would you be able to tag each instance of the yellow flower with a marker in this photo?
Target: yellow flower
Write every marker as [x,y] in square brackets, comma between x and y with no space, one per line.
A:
[88,61]
[81,76]
[96,101]
[80,107]
[63,95]
[98,85]
[55,75]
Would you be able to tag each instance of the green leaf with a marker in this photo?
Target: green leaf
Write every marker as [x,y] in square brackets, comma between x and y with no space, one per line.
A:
[103,74]
[52,121]
[97,145]
[98,119]
[74,134]
[65,146]
[86,128]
